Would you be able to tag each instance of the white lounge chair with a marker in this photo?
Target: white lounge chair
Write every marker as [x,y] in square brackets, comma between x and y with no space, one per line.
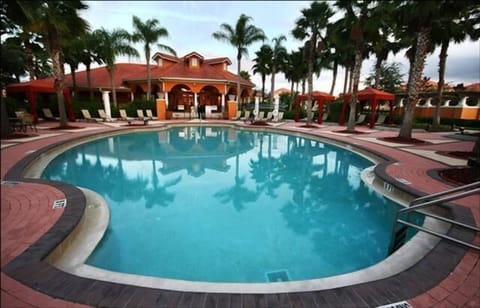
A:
[238,115]
[47,114]
[88,117]
[140,115]
[123,115]
[260,116]
[246,115]
[361,119]
[150,114]
[269,116]
[381,119]
[278,118]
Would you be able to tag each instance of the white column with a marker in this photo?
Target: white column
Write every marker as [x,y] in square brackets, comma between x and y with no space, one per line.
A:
[223,102]
[166,99]
[132,97]
[195,103]
[257,107]
[276,106]
[106,103]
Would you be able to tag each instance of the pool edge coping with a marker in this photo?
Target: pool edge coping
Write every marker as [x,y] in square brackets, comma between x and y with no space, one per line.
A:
[23,264]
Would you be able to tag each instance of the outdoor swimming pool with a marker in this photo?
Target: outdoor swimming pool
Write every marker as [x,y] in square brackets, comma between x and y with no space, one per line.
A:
[220,204]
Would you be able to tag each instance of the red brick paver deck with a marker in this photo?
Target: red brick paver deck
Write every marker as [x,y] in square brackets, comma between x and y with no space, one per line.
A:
[26,212]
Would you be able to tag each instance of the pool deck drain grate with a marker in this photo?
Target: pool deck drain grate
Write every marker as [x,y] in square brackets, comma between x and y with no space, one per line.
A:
[277,276]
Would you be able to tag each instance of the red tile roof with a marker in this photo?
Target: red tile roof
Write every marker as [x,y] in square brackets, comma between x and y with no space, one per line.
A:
[128,72]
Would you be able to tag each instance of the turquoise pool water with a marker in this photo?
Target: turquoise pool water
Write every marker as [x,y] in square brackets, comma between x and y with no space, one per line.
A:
[219,204]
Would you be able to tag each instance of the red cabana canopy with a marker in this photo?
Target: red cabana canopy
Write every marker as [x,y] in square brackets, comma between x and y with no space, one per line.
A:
[34,87]
[372,95]
[319,97]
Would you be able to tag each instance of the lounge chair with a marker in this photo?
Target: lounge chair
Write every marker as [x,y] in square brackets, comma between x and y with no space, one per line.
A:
[269,116]
[381,119]
[361,119]
[141,116]
[278,118]
[246,115]
[88,117]
[260,116]
[238,115]
[123,115]
[47,114]
[103,115]
[150,114]
[324,117]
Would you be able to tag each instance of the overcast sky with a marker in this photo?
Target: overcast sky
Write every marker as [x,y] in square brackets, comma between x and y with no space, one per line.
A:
[191,23]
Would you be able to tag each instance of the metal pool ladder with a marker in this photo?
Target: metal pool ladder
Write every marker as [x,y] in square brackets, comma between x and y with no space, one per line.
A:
[399,234]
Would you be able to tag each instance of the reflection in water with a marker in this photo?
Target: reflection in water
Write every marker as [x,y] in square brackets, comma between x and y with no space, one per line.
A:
[257,201]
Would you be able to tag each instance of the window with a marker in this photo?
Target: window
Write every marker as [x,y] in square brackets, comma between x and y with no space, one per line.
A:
[194,62]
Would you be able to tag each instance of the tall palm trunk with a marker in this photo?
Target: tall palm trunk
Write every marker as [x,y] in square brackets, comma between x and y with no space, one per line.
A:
[89,81]
[378,66]
[414,83]
[356,80]
[311,47]
[59,85]
[149,81]
[292,96]
[345,80]
[334,77]
[74,79]
[441,81]
[29,60]
[263,87]
[111,72]
[350,79]
[272,88]
[239,58]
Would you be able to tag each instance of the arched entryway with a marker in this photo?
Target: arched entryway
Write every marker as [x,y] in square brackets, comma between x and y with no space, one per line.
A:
[181,98]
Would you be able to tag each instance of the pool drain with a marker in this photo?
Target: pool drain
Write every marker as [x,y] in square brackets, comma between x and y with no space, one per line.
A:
[277,276]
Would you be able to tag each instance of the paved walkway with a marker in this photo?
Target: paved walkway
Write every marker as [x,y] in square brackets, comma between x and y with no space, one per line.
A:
[26,211]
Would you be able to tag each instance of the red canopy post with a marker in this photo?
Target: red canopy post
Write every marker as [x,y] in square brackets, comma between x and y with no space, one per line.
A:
[341,121]
[68,98]
[320,111]
[32,99]
[373,108]
[296,117]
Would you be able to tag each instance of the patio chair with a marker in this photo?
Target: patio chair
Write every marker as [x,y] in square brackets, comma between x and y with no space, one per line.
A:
[150,114]
[246,116]
[361,119]
[238,115]
[142,117]
[123,115]
[260,116]
[381,119]
[278,118]
[47,114]
[269,116]
[324,117]
[28,120]
[103,115]
[88,117]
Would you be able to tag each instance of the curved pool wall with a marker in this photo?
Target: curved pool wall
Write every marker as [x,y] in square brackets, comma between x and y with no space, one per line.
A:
[31,268]
[176,205]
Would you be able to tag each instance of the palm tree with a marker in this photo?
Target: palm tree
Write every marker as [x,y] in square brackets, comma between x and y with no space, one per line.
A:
[240,37]
[89,56]
[311,24]
[149,32]
[111,44]
[456,23]
[416,17]
[262,64]
[362,25]
[279,54]
[295,70]
[54,20]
